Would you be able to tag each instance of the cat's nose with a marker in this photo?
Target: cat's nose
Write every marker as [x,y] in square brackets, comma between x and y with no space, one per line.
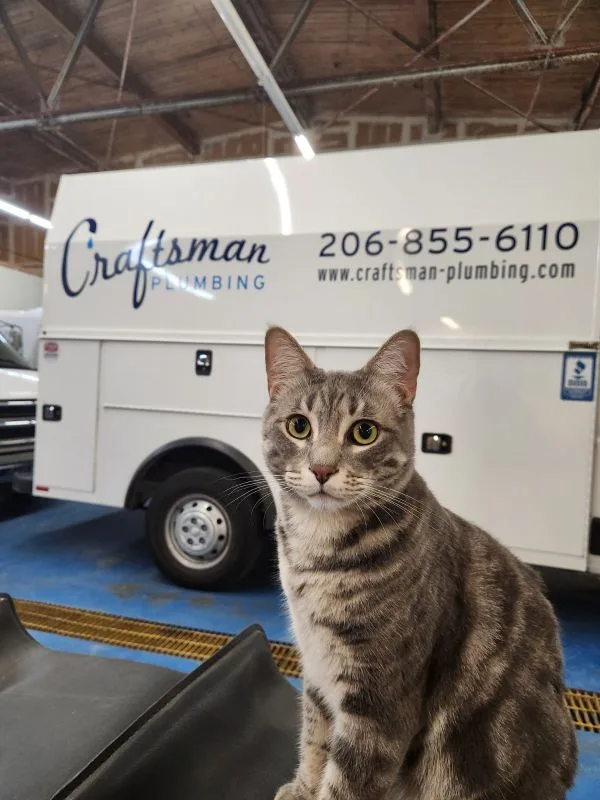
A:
[322,473]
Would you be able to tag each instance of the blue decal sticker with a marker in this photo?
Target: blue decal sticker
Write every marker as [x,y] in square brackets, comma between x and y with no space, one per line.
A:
[578,376]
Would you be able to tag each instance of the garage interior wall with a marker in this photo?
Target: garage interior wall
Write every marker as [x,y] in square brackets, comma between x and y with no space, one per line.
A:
[19,291]
[21,246]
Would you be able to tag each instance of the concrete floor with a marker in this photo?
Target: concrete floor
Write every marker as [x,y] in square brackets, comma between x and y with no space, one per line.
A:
[94,558]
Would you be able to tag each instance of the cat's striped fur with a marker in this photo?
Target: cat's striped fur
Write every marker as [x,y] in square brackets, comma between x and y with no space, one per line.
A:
[431,658]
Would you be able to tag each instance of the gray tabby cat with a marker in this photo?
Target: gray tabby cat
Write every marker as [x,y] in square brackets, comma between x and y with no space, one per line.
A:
[431,658]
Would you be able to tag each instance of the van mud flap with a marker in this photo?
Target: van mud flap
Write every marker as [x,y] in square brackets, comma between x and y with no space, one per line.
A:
[78,727]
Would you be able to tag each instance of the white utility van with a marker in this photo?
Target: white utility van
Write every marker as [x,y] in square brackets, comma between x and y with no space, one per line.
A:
[160,284]
[21,329]
[18,394]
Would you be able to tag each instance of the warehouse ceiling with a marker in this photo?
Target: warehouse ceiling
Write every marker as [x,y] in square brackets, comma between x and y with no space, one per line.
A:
[80,80]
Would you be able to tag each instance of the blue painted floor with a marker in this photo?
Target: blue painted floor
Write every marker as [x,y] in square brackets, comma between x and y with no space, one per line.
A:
[94,558]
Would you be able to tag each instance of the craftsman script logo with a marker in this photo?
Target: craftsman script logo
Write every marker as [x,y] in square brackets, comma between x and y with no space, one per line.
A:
[151,254]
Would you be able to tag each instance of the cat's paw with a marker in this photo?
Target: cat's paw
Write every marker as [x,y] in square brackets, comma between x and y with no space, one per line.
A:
[293,791]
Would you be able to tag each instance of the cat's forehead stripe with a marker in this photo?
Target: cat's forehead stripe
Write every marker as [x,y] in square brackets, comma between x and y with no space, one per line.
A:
[338,393]
[311,399]
[353,403]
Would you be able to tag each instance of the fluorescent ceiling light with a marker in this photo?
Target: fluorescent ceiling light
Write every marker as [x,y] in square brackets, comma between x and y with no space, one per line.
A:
[304,146]
[21,213]
[247,46]
[41,222]
[14,211]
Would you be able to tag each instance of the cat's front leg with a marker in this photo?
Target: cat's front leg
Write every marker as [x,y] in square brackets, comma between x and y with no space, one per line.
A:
[363,764]
[314,746]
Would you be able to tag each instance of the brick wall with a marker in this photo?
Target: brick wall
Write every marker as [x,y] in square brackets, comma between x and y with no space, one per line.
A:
[21,246]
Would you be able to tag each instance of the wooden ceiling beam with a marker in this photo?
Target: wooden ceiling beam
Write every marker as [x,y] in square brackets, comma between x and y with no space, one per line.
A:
[23,55]
[262,30]
[55,141]
[70,23]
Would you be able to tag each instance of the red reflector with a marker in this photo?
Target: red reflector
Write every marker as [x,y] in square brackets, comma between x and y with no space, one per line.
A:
[42,489]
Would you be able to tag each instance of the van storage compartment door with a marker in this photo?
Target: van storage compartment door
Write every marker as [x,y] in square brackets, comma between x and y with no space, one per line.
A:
[521,457]
[65,447]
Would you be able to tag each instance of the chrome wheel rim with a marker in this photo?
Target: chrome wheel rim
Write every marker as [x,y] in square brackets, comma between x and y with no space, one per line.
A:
[198,531]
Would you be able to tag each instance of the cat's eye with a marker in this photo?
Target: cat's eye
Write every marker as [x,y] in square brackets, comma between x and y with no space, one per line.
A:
[364,432]
[298,427]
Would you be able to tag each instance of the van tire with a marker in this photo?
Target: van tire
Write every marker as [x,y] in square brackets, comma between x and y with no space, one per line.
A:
[203,533]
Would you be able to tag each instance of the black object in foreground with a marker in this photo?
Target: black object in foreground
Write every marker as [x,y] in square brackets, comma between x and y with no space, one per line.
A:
[80,727]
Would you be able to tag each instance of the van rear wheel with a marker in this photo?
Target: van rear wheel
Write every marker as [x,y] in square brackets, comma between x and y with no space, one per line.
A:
[204,529]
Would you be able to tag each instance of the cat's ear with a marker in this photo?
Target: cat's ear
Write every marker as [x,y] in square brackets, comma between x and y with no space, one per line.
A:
[284,359]
[398,362]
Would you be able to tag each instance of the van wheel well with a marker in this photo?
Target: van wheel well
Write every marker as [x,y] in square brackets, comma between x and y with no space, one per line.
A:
[178,457]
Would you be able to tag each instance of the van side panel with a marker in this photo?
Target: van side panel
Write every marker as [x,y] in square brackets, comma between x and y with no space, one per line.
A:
[235,386]
[128,438]
[521,458]
[345,247]
[65,450]
[151,396]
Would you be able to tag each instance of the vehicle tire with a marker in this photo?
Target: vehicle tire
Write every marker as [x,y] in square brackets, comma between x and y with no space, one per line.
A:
[203,533]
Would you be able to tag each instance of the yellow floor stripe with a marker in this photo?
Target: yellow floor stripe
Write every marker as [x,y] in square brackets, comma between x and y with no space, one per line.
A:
[198,645]
[136,634]
[584,708]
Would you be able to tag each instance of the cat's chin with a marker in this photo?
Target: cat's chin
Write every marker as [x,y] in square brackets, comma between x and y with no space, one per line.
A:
[325,502]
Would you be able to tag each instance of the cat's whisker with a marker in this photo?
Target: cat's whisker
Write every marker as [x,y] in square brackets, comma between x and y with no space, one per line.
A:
[397,493]
[392,494]
[399,502]
[242,487]
[241,491]
[253,475]
[256,481]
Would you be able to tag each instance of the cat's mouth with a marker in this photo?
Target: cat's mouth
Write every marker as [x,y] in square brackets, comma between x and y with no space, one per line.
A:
[322,496]
[325,500]
[322,492]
